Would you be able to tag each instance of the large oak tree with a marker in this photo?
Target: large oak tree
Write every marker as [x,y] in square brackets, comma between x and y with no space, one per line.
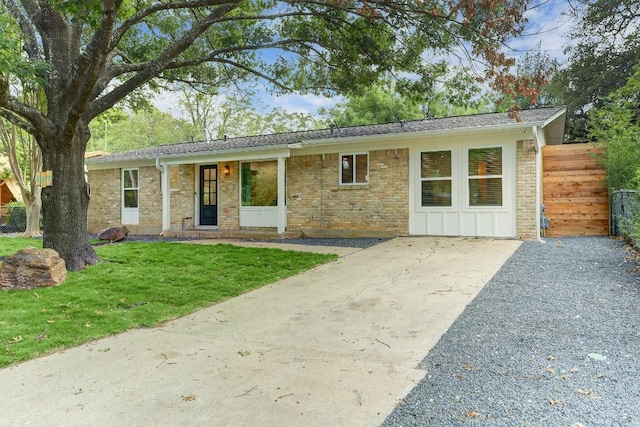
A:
[87,56]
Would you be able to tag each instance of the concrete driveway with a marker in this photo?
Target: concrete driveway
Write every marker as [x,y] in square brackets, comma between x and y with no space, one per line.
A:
[336,345]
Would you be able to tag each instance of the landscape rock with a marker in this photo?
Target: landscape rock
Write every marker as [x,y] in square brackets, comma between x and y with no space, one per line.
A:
[32,268]
[113,234]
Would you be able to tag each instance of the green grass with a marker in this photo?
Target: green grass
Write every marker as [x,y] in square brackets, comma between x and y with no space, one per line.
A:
[136,285]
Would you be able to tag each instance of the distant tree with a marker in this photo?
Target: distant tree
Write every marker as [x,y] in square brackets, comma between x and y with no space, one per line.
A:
[379,103]
[615,124]
[386,102]
[535,68]
[234,114]
[143,129]
[604,48]
[25,161]
[100,128]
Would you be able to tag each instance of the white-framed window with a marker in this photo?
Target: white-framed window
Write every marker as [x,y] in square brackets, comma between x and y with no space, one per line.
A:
[485,176]
[436,178]
[354,169]
[259,183]
[130,188]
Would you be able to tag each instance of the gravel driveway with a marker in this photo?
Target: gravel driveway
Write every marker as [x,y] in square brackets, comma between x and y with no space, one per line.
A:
[552,340]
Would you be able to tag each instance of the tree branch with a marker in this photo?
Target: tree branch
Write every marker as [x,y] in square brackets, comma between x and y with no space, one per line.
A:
[154,68]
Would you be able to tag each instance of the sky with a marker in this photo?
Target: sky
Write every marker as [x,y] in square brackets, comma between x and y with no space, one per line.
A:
[547,25]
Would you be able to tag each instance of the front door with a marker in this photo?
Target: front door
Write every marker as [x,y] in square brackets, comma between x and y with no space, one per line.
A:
[209,195]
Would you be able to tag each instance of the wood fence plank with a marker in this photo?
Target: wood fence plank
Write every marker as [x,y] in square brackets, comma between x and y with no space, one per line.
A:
[575,191]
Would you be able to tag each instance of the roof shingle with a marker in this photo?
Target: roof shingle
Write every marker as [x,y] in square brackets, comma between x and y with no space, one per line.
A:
[278,140]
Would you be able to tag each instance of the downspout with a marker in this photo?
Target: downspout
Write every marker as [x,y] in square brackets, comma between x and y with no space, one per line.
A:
[538,150]
[164,188]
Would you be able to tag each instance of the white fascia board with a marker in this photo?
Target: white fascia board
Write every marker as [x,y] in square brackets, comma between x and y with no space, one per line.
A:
[553,118]
[125,164]
[231,156]
[397,137]
[258,153]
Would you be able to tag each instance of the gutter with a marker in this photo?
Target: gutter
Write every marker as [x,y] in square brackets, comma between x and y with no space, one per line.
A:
[538,149]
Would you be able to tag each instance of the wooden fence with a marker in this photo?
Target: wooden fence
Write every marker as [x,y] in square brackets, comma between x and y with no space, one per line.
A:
[575,191]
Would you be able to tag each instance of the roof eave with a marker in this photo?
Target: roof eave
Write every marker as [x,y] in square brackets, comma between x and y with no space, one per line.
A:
[194,155]
[430,132]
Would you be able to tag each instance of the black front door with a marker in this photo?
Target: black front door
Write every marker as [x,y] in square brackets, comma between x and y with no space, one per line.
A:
[209,195]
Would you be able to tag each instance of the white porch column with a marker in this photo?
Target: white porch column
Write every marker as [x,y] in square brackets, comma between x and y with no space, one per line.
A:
[166,199]
[282,208]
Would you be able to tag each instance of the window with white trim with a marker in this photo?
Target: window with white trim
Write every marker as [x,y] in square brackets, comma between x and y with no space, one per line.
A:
[130,188]
[259,183]
[354,169]
[435,178]
[485,176]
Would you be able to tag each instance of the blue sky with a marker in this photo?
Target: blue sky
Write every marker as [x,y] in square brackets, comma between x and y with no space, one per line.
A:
[547,25]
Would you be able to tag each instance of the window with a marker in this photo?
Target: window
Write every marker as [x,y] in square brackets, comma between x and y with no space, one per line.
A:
[435,177]
[354,169]
[485,176]
[130,187]
[259,186]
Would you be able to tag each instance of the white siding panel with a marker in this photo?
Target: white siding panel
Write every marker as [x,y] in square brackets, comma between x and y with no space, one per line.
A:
[505,226]
[461,219]
[485,224]
[259,216]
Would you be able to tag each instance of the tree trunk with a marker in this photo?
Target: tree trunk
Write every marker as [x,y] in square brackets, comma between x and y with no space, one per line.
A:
[66,202]
[33,205]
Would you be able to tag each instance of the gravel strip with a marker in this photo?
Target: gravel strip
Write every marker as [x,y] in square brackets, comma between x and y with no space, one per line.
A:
[552,340]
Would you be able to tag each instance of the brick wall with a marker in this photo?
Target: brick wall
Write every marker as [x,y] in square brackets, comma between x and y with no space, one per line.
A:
[229,197]
[149,201]
[316,202]
[182,198]
[106,194]
[526,190]
[104,206]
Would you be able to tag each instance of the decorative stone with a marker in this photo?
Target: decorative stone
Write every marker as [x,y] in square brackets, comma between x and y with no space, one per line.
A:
[32,268]
[114,234]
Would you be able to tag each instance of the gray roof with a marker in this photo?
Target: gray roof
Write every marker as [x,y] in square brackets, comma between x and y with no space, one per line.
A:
[532,117]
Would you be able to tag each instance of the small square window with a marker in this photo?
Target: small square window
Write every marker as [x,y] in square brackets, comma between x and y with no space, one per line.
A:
[354,169]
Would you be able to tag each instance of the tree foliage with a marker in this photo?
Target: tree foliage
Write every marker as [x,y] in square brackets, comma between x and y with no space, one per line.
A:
[376,104]
[146,128]
[385,102]
[616,125]
[235,114]
[604,49]
[89,56]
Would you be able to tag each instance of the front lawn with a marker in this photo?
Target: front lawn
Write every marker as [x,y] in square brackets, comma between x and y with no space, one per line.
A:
[136,285]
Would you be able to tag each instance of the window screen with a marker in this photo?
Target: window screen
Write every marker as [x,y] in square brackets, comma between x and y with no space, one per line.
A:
[436,179]
[485,176]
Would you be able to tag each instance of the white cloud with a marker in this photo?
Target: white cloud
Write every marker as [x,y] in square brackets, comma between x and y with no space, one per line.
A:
[548,25]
